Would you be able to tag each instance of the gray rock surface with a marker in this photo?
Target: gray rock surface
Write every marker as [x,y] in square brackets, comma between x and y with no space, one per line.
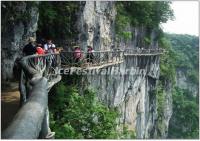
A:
[96,25]
[15,32]
[184,83]
[130,93]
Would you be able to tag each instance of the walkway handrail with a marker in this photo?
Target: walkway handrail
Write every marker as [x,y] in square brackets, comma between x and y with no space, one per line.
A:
[28,122]
[96,58]
[38,66]
[32,118]
[36,55]
[41,65]
[141,51]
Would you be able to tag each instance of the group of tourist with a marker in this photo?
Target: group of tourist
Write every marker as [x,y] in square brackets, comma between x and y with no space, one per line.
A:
[38,48]
[78,54]
[48,47]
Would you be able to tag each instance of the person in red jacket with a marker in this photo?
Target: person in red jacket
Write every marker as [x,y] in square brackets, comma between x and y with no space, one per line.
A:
[39,49]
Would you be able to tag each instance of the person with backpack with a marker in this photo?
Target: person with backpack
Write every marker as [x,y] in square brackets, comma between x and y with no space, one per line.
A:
[90,55]
[77,54]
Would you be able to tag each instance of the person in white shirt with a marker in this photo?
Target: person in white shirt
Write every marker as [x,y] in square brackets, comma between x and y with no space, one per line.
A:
[49,47]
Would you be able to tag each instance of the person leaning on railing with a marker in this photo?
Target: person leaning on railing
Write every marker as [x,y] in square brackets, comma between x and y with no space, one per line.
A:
[90,55]
[77,54]
[39,49]
[49,47]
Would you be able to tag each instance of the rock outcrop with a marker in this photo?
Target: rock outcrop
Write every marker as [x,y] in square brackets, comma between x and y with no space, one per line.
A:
[96,25]
[130,92]
[19,22]
[183,82]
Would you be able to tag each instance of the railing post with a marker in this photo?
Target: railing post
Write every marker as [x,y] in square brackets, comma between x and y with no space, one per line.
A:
[28,121]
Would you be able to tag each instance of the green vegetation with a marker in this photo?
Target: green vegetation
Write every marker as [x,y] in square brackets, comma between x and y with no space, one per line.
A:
[141,13]
[167,62]
[187,54]
[57,19]
[75,116]
[167,76]
[160,100]
[182,54]
[185,121]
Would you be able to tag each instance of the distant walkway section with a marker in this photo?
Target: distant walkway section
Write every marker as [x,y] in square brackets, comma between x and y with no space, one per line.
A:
[143,52]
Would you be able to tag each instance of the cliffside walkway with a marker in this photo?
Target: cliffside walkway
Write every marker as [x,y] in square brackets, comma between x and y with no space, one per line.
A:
[97,59]
[101,59]
[39,74]
[143,52]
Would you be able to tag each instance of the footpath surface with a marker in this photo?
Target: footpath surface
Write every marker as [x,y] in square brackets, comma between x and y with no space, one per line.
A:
[9,104]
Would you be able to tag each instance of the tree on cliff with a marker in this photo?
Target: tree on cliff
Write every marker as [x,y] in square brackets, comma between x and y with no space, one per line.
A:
[141,13]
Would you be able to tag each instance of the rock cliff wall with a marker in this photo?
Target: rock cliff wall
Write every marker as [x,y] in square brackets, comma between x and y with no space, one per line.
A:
[96,24]
[19,21]
[183,82]
[130,93]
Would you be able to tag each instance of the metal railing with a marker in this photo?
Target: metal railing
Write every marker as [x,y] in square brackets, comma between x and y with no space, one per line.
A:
[38,75]
[96,58]
[41,65]
[38,66]
[141,51]
[29,122]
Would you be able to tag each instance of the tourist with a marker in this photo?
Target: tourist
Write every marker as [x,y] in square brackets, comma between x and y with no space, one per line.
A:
[49,47]
[77,54]
[39,49]
[30,48]
[90,55]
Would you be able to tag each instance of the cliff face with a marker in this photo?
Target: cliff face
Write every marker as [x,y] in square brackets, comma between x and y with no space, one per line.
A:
[163,125]
[96,24]
[186,48]
[19,21]
[130,93]
[183,82]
